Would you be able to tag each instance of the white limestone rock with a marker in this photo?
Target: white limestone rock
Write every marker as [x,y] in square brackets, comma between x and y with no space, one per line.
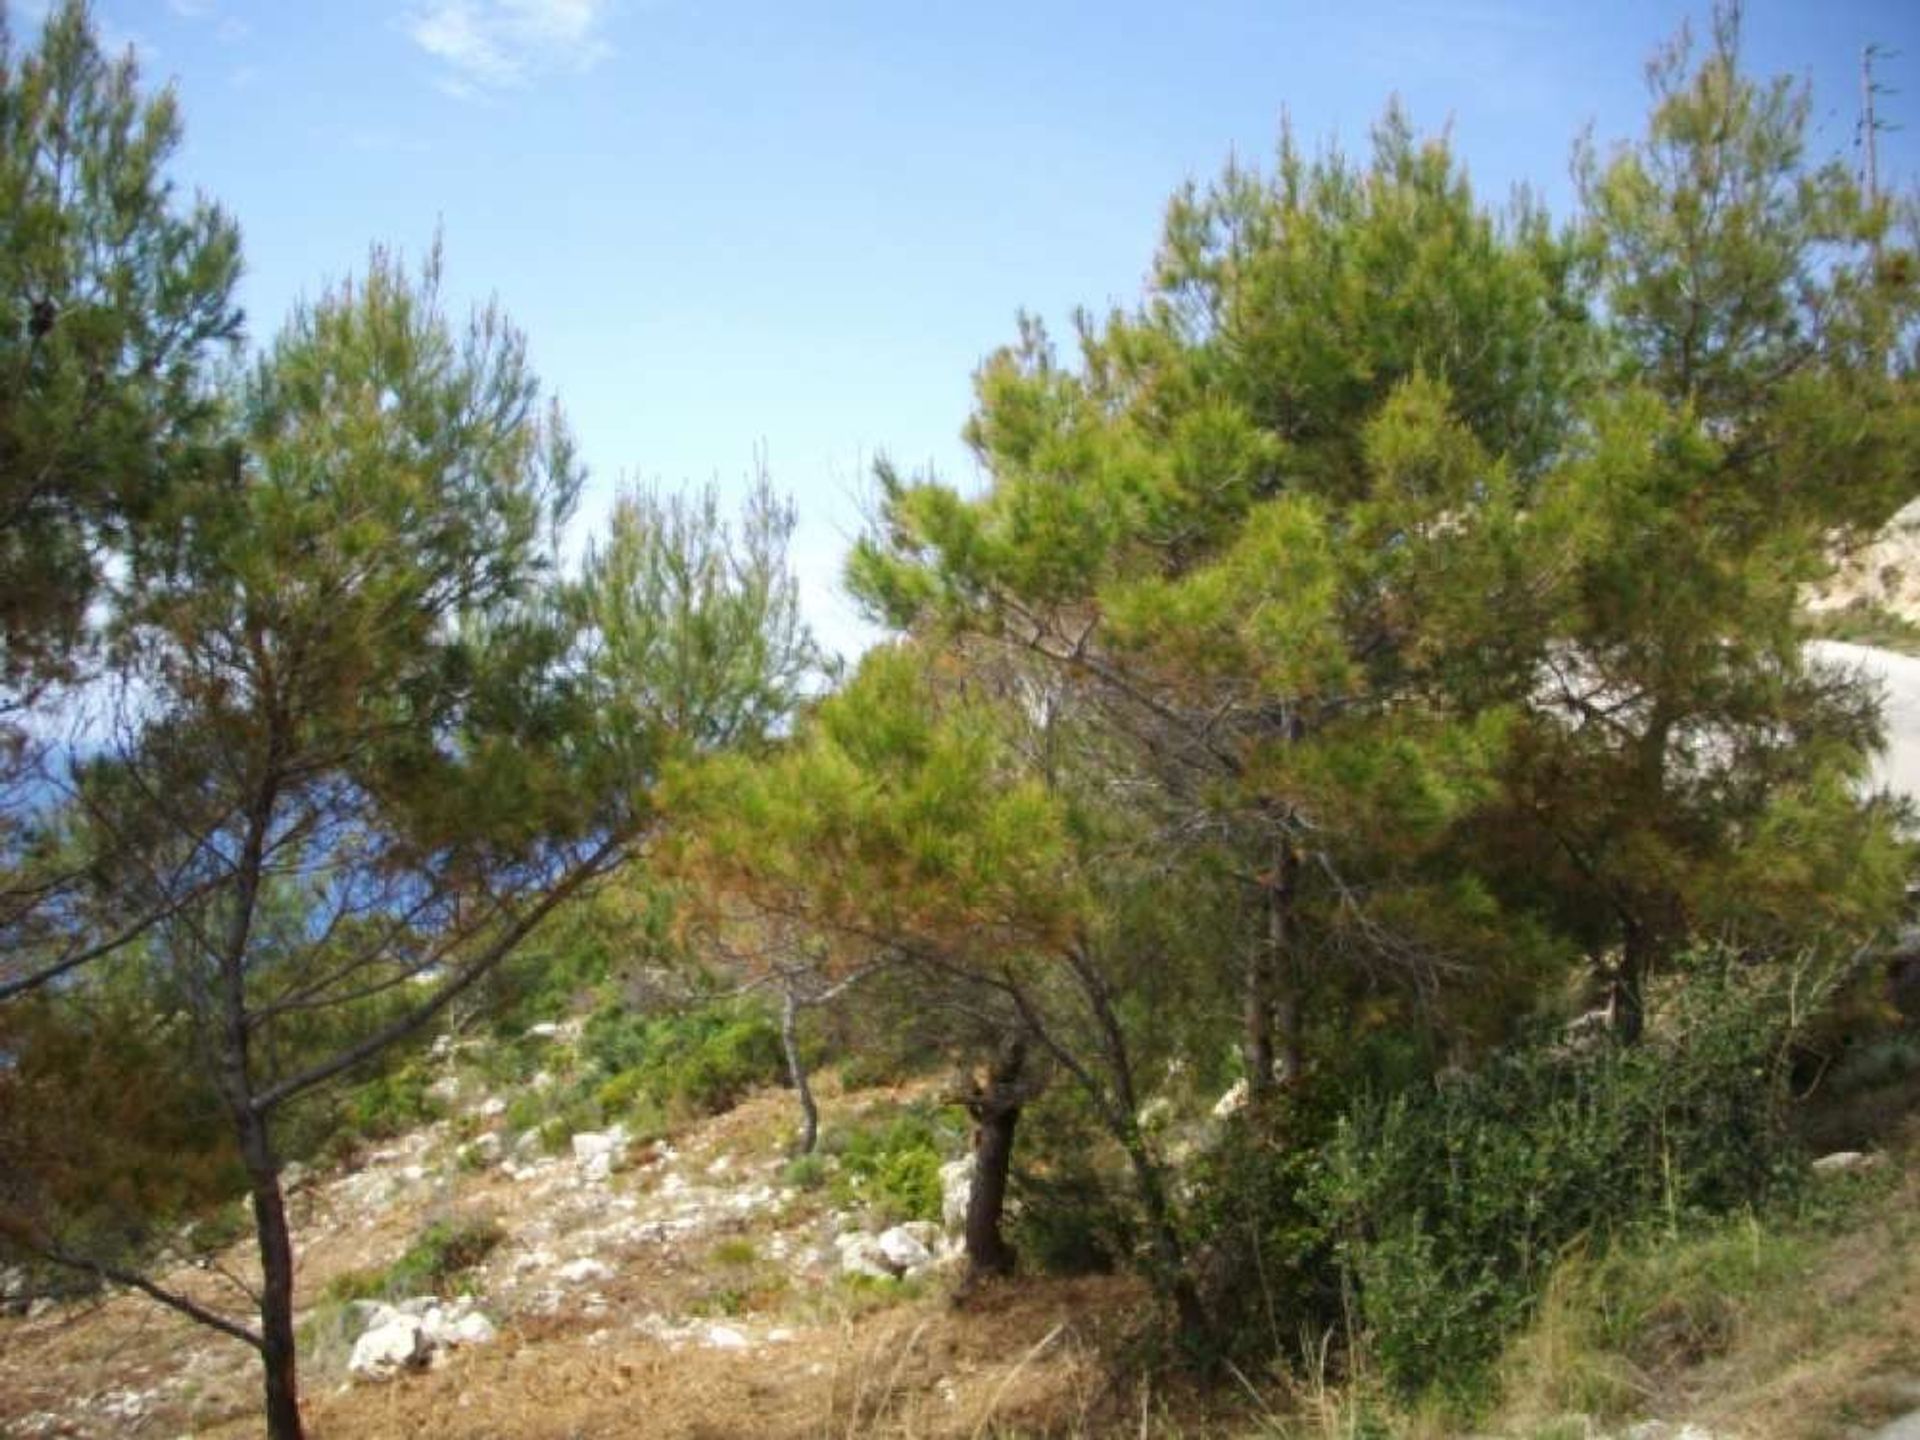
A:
[903,1250]
[396,1344]
[584,1271]
[860,1254]
[599,1152]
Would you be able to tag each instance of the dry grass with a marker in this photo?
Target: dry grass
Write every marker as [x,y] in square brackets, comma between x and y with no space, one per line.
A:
[1812,1332]
[1018,1358]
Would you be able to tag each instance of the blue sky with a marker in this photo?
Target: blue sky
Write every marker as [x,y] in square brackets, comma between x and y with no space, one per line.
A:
[792,230]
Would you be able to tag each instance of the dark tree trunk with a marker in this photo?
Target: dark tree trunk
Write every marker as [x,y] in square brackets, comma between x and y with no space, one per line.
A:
[1289,1016]
[1271,1015]
[995,1106]
[1629,996]
[797,1070]
[987,1251]
[1170,1273]
[278,1354]
[1256,1021]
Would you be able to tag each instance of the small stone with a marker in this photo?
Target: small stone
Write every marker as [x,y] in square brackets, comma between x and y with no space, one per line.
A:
[1845,1162]
[725,1337]
[474,1329]
[586,1268]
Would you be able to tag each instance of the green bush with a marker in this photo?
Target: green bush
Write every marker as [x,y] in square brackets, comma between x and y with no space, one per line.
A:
[906,1186]
[805,1172]
[700,1063]
[526,1111]
[1430,1220]
[1067,1209]
[443,1252]
[892,1167]
[392,1104]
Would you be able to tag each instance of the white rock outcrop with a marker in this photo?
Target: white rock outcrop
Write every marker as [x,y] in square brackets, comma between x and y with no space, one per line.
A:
[860,1254]
[392,1344]
[413,1333]
[598,1152]
[956,1189]
[903,1250]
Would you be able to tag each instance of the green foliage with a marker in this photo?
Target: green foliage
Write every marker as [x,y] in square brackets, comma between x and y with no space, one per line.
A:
[117,305]
[1448,1209]
[438,1258]
[1069,1213]
[392,1104]
[154,1153]
[698,640]
[892,1167]
[805,1172]
[698,1063]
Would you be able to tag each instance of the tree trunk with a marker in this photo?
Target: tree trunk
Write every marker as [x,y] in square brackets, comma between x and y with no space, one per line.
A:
[1271,1009]
[278,1354]
[987,1251]
[797,1070]
[1256,1021]
[995,1107]
[1630,983]
[1289,1016]
[1170,1274]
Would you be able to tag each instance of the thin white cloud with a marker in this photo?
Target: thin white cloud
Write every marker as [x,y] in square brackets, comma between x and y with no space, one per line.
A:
[500,44]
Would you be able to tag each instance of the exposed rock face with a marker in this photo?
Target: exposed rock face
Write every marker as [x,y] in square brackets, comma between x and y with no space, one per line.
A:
[1886,573]
[956,1189]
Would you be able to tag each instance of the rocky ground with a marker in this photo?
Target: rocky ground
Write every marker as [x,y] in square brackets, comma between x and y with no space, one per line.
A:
[666,1289]
[693,1290]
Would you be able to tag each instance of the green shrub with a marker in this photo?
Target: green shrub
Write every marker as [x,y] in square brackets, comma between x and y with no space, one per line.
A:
[892,1167]
[1067,1208]
[1429,1220]
[392,1104]
[526,1111]
[805,1172]
[699,1063]
[906,1186]
[442,1253]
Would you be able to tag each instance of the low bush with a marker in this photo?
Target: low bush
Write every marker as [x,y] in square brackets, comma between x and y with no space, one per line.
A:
[891,1166]
[392,1104]
[702,1062]
[1427,1222]
[1067,1203]
[443,1252]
